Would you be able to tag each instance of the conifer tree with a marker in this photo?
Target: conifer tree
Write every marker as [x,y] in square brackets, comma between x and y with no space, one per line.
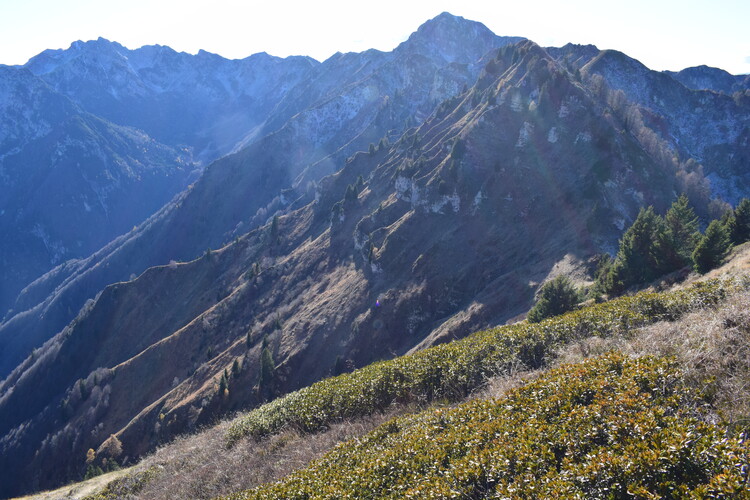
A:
[641,257]
[267,371]
[682,234]
[740,231]
[712,248]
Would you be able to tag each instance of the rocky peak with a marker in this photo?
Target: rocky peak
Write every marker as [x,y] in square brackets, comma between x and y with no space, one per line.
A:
[453,39]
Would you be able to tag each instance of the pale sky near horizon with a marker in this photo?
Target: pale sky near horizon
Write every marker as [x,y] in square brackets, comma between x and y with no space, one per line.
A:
[663,34]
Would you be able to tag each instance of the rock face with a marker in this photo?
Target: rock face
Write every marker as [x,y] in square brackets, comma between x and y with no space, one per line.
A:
[700,119]
[204,101]
[70,181]
[390,201]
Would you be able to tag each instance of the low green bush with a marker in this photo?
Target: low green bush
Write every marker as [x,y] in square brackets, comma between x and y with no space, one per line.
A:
[610,427]
[452,371]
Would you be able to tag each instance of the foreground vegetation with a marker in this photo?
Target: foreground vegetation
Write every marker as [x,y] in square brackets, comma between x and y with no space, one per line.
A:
[711,345]
[611,427]
[450,372]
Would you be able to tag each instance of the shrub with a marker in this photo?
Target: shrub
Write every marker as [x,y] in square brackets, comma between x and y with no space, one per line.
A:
[610,427]
[452,371]
[556,297]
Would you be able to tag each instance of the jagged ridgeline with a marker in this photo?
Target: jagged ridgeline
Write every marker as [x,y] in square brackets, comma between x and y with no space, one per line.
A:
[389,202]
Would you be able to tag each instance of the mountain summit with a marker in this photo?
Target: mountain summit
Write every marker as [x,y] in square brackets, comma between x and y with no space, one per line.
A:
[453,39]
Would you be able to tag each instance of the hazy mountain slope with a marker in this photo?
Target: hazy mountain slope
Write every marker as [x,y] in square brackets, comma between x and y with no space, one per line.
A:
[202,101]
[711,128]
[708,78]
[70,181]
[442,235]
[242,190]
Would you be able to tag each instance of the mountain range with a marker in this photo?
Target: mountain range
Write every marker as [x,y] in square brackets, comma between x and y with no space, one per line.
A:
[201,211]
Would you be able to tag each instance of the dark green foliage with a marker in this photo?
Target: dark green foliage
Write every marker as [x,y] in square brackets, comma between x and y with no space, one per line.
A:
[741,229]
[682,234]
[641,257]
[371,149]
[248,340]
[267,371]
[712,248]
[351,193]
[223,383]
[274,229]
[93,471]
[451,371]
[557,296]
[236,367]
[608,428]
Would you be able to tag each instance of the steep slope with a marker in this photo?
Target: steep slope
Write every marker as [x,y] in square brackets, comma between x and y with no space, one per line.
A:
[711,128]
[70,181]
[358,100]
[203,101]
[403,247]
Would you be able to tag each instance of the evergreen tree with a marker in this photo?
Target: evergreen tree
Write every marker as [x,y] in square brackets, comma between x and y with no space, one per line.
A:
[641,257]
[224,384]
[267,371]
[274,229]
[740,232]
[712,248]
[556,297]
[351,193]
[681,234]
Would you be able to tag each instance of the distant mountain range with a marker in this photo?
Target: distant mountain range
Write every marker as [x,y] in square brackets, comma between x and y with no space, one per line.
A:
[358,208]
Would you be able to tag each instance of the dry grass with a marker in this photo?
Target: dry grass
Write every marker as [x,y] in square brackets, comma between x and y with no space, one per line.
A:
[78,491]
[712,346]
[200,467]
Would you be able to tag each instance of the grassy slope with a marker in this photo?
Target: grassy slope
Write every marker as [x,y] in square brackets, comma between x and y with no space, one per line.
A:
[291,449]
[611,427]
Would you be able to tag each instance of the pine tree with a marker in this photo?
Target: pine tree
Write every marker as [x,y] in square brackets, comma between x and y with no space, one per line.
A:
[557,296]
[274,229]
[267,371]
[712,248]
[351,193]
[741,227]
[642,255]
[224,384]
[681,235]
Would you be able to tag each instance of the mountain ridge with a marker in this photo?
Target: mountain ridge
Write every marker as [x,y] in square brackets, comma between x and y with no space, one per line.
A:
[343,235]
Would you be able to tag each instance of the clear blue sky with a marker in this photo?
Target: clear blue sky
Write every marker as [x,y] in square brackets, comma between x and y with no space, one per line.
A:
[668,34]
